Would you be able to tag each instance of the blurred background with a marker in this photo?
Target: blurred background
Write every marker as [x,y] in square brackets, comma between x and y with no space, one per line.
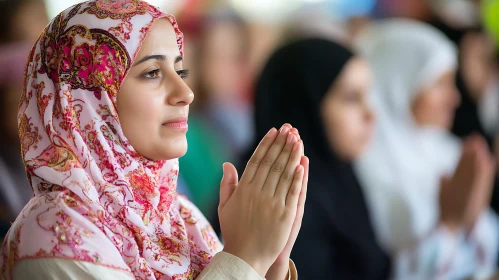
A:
[227,42]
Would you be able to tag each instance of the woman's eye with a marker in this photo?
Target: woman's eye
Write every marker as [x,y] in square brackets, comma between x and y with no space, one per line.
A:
[152,74]
[184,74]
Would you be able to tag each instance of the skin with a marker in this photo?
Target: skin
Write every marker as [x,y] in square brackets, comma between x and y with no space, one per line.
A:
[25,30]
[223,61]
[346,114]
[436,105]
[154,94]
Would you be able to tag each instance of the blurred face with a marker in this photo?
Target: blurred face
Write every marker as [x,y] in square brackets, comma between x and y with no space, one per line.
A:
[21,30]
[153,102]
[347,117]
[478,63]
[29,30]
[436,105]
[222,62]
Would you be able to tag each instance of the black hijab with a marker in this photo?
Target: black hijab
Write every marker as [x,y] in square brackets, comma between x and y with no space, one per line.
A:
[336,240]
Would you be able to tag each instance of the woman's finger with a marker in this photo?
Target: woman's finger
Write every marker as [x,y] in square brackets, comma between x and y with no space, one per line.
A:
[228,184]
[303,194]
[281,167]
[268,160]
[294,191]
[257,157]
[295,131]
[287,177]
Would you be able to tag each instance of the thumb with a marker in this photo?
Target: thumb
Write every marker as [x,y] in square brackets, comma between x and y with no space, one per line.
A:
[228,184]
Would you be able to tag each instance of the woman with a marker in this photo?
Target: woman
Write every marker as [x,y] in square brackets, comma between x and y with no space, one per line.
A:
[321,87]
[477,79]
[102,120]
[430,215]
[16,39]
[220,58]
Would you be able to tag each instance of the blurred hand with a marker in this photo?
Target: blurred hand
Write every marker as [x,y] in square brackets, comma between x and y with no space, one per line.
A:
[258,212]
[467,194]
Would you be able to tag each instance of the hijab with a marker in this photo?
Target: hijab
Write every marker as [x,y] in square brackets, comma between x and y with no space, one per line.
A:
[402,168]
[96,199]
[291,89]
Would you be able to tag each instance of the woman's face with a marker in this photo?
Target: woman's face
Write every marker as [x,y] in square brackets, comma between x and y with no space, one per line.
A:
[153,102]
[435,106]
[346,114]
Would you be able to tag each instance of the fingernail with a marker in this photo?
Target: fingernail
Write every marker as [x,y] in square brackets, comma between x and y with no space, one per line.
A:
[285,125]
[290,138]
[271,132]
[299,169]
[284,130]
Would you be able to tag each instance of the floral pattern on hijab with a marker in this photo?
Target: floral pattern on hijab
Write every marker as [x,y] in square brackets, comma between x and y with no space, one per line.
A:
[97,199]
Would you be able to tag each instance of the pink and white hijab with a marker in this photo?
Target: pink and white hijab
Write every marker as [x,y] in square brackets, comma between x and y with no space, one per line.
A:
[96,199]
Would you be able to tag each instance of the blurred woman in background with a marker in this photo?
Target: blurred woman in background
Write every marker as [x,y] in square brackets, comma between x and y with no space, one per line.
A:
[17,36]
[427,192]
[477,75]
[321,87]
[477,78]
[220,122]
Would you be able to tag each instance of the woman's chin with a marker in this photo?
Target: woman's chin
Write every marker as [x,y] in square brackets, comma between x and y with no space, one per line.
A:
[167,150]
[175,150]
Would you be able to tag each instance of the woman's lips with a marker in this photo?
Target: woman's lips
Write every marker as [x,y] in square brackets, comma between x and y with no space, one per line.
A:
[179,124]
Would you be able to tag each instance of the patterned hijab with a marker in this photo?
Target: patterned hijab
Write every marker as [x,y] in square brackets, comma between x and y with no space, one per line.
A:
[96,199]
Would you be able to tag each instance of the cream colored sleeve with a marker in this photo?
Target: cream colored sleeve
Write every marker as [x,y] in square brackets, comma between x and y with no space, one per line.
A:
[293,273]
[225,266]
[62,269]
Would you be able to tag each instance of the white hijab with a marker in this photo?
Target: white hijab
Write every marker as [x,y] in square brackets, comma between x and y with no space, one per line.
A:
[401,170]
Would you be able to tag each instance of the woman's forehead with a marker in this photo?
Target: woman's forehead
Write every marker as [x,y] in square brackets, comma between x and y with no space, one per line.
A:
[160,40]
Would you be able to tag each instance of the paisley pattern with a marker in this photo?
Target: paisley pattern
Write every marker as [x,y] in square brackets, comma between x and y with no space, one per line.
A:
[97,199]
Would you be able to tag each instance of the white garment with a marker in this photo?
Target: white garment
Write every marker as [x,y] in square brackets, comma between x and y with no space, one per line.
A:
[401,171]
